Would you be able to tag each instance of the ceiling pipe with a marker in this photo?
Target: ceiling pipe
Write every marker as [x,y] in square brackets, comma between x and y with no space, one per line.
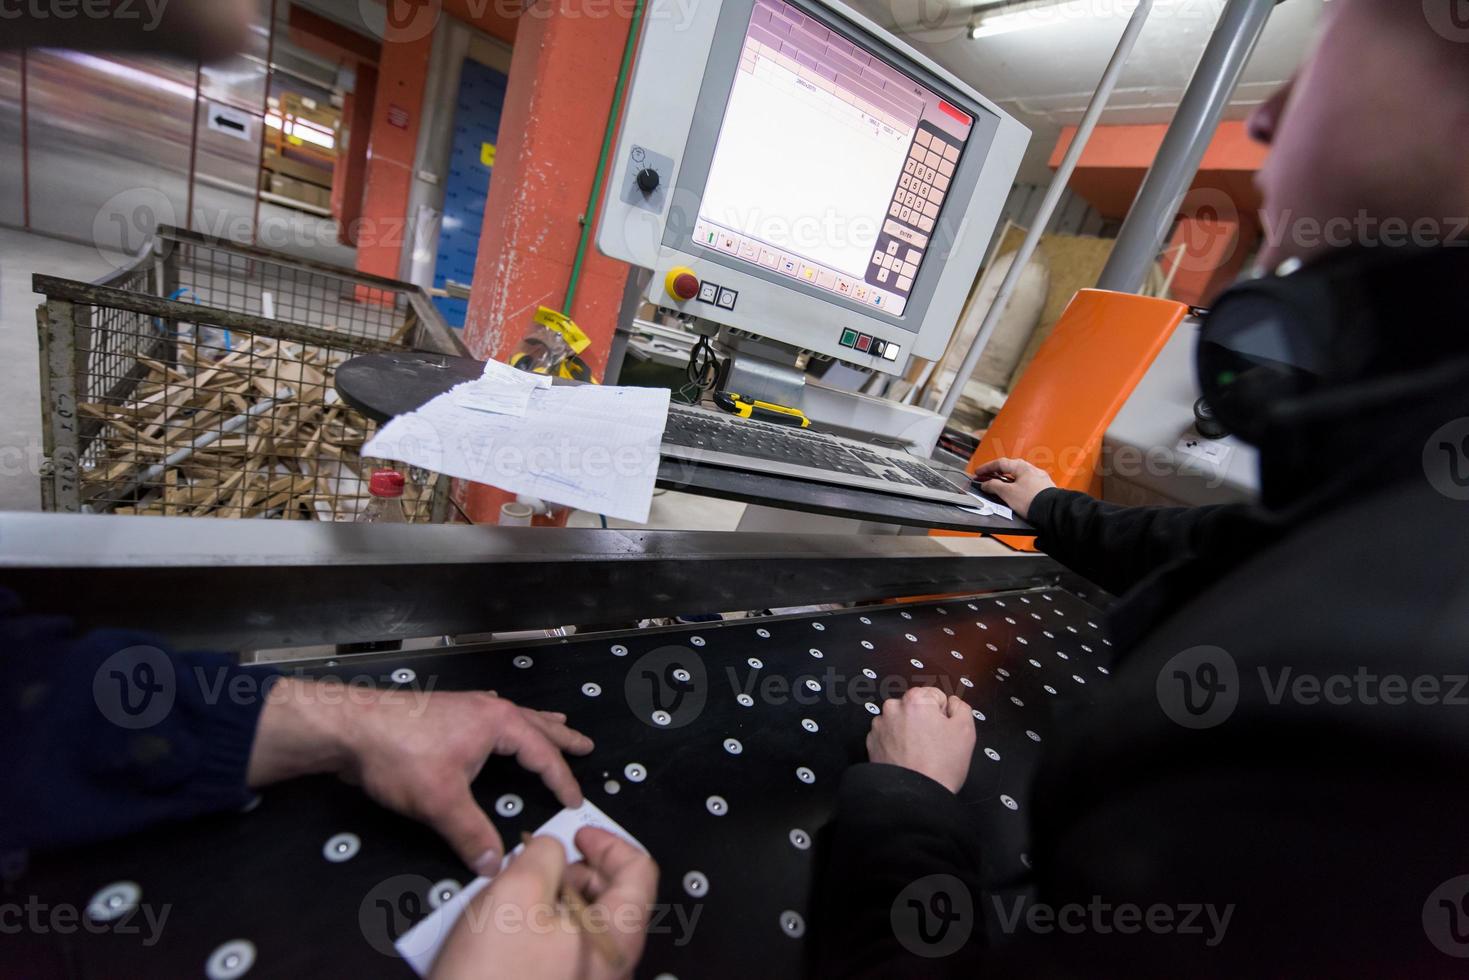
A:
[1048,206]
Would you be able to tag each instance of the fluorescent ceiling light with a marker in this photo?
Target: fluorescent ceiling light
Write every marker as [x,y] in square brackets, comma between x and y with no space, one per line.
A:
[1015,17]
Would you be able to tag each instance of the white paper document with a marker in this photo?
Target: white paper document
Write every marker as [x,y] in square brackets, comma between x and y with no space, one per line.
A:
[420,945]
[590,447]
[988,508]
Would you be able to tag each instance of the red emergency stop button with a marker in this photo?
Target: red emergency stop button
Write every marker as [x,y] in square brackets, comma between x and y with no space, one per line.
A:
[681,283]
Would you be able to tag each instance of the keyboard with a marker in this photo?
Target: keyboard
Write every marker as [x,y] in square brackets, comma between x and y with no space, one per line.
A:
[712,438]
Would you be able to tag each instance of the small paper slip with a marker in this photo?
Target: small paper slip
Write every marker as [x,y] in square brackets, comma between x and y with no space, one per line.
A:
[501,389]
[988,508]
[499,371]
[420,945]
[487,396]
[586,446]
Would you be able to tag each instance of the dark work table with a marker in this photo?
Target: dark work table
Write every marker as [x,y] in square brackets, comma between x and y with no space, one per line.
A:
[383,386]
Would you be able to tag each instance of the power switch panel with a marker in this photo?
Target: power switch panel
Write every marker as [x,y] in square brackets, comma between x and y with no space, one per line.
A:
[647,180]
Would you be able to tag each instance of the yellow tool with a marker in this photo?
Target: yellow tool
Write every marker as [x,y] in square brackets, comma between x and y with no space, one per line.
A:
[747,408]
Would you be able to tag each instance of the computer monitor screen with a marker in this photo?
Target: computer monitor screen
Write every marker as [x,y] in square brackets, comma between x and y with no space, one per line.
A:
[831,165]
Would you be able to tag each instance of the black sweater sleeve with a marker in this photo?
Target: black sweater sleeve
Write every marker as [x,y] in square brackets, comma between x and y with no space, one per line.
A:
[1117,547]
[899,887]
[109,732]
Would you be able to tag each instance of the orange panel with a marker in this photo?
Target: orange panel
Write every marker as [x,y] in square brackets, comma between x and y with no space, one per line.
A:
[1083,374]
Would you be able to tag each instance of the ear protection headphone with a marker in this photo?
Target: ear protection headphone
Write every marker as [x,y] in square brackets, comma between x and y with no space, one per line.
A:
[1343,318]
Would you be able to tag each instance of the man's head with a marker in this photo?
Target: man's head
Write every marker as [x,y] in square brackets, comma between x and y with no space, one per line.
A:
[1376,121]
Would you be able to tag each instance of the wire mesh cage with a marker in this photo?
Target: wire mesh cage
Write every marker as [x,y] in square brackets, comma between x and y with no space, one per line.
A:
[165,408]
[240,278]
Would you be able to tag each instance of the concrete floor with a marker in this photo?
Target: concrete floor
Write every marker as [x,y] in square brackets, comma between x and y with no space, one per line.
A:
[673,511]
[21,256]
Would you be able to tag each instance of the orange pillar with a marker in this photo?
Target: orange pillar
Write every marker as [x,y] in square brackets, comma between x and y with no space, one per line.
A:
[350,177]
[562,75]
[1209,252]
[392,145]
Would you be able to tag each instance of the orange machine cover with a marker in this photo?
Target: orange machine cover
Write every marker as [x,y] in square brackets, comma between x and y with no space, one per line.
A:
[1082,375]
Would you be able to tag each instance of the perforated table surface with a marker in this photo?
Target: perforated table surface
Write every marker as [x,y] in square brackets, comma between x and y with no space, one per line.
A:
[719,746]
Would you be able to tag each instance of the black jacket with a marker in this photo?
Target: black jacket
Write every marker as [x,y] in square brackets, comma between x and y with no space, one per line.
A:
[1331,813]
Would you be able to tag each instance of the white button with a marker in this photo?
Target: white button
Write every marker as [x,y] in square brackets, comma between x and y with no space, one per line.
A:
[792,924]
[716,805]
[696,884]
[635,772]
[509,805]
[114,901]
[800,839]
[341,847]
[733,746]
[441,891]
[805,775]
[230,961]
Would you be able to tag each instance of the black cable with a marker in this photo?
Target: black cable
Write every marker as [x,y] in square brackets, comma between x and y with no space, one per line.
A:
[703,365]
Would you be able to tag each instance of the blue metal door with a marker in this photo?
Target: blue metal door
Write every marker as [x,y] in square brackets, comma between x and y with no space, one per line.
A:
[476,134]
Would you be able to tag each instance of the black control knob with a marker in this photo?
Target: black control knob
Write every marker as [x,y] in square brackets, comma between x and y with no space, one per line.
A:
[1209,427]
[648,180]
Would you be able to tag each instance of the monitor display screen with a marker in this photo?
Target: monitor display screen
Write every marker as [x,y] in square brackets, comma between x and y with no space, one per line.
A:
[831,165]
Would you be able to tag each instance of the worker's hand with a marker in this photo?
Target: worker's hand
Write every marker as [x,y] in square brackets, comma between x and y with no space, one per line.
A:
[517,929]
[1015,482]
[415,755]
[927,731]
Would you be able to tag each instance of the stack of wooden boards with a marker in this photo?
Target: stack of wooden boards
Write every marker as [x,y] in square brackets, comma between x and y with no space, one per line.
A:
[250,428]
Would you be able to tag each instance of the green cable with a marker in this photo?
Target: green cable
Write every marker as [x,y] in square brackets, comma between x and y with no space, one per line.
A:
[586,218]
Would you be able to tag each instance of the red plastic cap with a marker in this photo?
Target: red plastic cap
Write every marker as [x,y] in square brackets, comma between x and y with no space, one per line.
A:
[386,483]
[686,286]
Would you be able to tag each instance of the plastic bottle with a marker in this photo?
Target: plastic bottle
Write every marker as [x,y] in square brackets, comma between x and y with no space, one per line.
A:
[386,506]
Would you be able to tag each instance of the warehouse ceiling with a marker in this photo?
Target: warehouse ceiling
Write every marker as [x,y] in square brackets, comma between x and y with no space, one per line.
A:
[1045,74]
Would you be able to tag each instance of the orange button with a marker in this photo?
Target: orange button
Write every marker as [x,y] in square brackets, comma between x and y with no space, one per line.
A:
[681,283]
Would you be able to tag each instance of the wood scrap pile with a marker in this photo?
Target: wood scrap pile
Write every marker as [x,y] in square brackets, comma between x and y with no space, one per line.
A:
[255,430]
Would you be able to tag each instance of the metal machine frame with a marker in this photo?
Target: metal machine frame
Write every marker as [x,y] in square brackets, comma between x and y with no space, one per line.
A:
[343,583]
